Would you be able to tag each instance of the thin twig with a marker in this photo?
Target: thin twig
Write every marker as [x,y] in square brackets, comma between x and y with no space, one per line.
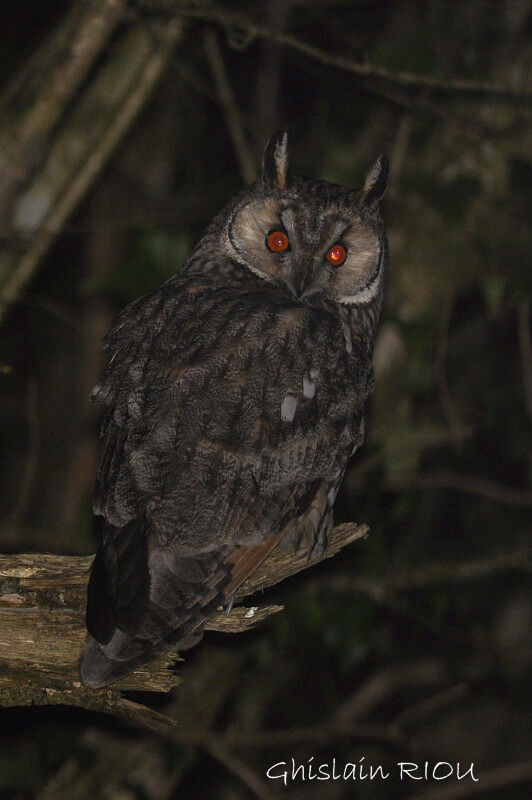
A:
[60,312]
[416,439]
[473,128]
[470,484]
[233,117]
[319,733]
[341,723]
[429,575]
[388,592]
[438,479]
[221,753]
[437,573]
[427,707]
[385,683]
[315,734]
[408,80]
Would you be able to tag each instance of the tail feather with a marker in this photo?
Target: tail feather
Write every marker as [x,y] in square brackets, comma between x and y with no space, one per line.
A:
[164,627]
[102,665]
[170,609]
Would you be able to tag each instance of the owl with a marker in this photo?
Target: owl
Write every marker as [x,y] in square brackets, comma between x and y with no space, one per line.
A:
[234,399]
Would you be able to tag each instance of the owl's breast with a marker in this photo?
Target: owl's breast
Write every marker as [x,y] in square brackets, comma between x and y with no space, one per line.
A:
[223,390]
[270,372]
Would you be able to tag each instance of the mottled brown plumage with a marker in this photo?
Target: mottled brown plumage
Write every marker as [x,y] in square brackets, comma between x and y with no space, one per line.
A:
[235,398]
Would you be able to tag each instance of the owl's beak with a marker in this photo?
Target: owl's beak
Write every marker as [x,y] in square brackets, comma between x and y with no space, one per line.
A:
[301,280]
[293,290]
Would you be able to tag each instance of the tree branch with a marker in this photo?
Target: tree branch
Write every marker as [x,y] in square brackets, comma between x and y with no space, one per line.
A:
[233,117]
[470,484]
[446,479]
[427,576]
[42,602]
[405,80]
[219,751]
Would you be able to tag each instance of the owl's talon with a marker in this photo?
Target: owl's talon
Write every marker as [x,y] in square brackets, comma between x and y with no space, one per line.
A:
[317,548]
[230,603]
[312,550]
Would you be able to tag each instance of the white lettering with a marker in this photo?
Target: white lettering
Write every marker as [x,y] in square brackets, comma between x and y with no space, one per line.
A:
[283,776]
[295,770]
[460,777]
[412,767]
[350,771]
[374,773]
[442,777]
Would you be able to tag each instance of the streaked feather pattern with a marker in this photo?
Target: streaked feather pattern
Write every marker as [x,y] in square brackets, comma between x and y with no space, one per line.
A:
[232,409]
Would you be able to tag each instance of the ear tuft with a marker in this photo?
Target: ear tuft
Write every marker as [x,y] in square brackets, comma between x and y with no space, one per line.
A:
[376,182]
[275,161]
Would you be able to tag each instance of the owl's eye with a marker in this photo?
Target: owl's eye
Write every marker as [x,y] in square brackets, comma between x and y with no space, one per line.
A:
[277,241]
[336,255]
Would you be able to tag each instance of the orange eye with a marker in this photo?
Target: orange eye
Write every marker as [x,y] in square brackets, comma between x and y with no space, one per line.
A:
[336,255]
[277,241]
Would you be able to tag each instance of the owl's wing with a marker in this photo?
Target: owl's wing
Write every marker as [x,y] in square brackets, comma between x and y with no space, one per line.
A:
[220,439]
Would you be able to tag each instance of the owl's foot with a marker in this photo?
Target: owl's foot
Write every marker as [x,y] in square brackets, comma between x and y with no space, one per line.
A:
[317,547]
[230,602]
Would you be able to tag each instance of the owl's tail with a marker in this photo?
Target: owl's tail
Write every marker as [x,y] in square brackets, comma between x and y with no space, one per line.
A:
[144,601]
[104,664]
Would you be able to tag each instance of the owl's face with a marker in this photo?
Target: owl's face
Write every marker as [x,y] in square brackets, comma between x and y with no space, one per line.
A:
[316,239]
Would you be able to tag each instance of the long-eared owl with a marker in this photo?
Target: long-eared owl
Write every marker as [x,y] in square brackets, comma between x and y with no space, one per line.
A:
[235,398]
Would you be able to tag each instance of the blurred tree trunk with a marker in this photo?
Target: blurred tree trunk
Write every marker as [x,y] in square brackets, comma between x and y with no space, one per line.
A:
[62,117]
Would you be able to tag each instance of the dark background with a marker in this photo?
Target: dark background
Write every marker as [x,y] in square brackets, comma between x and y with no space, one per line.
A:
[427,622]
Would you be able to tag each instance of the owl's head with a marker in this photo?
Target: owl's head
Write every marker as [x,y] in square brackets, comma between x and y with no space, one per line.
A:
[316,239]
